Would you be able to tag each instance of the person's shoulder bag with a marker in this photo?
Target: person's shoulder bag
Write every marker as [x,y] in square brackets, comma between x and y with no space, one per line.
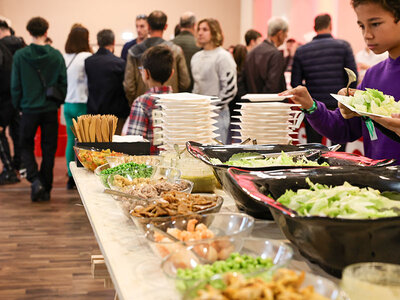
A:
[53,93]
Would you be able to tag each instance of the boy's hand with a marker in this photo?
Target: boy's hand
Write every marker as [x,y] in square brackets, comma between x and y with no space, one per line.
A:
[300,95]
[392,123]
[1,129]
[343,92]
[347,113]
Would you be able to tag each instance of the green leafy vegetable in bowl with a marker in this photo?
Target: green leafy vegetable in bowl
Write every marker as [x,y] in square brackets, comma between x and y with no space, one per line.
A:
[234,263]
[343,201]
[245,160]
[129,170]
[373,101]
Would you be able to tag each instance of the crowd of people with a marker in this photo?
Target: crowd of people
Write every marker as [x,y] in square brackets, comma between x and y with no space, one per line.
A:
[36,79]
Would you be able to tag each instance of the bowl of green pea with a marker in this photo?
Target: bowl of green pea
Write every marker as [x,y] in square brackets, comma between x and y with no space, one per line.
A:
[128,170]
[247,256]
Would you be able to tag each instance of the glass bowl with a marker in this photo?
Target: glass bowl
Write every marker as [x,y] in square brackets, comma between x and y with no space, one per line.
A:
[91,158]
[141,189]
[223,224]
[102,177]
[372,280]
[184,258]
[321,285]
[150,160]
[143,222]
[127,174]
[170,173]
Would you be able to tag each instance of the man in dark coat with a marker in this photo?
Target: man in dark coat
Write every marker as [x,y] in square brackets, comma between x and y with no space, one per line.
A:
[265,66]
[186,40]
[105,74]
[320,64]
[9,116]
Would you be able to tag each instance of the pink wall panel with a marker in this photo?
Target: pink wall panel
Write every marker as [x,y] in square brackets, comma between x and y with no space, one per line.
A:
[301,14]
[262,10]
[348,28]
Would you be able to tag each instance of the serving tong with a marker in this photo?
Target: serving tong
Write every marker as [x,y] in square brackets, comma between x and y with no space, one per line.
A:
[309,154]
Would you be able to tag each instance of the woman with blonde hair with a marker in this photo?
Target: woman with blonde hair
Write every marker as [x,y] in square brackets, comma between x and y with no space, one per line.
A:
[214,71]
[77,49]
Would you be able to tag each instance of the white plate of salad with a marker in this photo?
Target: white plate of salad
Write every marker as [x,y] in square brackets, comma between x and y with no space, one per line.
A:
[370,102]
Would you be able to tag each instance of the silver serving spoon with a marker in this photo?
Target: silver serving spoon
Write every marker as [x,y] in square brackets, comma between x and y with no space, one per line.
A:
[352,78]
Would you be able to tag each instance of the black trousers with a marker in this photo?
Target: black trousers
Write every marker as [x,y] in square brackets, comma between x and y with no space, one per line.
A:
[5,152]
[5,155]
[14,133]
[48,123]
[312,135]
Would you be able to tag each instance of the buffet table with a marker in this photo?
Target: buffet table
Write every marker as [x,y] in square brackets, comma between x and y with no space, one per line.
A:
[134,269]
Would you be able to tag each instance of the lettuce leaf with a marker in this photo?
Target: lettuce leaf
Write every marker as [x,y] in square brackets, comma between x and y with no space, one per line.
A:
[344,201]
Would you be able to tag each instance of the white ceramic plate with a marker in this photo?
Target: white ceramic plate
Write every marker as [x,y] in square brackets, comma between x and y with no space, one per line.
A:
[265,97]
[340,98]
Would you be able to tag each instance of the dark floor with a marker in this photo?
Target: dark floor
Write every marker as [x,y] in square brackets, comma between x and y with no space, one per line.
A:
[45,248]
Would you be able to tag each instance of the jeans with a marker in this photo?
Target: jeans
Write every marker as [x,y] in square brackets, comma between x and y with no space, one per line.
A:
[48,123]
[72,110]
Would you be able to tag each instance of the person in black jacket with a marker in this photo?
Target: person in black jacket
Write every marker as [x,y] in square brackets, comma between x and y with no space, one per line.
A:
[105,74]
[8,174]
[10,117]
[320,63]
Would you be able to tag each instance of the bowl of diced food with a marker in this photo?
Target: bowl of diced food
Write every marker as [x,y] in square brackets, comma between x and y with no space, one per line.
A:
[172,204]
[91,158]
[191,229]
[335,216]
[269,157]
[128,170]
[198,262]
[148,187]
[282,283]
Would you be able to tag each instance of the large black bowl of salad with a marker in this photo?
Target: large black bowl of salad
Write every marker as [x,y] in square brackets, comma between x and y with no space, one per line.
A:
[335,216]
[267,158]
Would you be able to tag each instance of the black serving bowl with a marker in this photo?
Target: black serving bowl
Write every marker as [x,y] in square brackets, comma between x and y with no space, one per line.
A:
[332,243]
[316,151]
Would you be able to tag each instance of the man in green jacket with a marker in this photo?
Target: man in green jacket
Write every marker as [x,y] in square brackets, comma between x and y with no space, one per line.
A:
[186,40]
[36,68]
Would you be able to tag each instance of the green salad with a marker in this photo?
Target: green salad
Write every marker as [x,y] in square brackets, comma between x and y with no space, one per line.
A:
[244,160]
[343,201]
[373,101]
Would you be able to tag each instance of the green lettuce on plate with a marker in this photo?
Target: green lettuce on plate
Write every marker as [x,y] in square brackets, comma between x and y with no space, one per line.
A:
[373,101]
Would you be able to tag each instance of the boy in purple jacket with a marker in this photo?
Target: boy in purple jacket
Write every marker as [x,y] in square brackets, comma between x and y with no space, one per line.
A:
[379,21]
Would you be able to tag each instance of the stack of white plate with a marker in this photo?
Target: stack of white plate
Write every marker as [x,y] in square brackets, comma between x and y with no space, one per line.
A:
[268,122]
[183,117]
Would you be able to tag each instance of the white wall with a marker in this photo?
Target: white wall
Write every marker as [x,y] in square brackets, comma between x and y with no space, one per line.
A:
[118,15]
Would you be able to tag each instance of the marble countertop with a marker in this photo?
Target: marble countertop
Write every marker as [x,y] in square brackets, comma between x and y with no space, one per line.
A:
[133,268]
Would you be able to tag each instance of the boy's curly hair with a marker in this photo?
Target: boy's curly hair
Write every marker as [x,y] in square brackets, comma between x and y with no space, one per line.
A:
[392,6]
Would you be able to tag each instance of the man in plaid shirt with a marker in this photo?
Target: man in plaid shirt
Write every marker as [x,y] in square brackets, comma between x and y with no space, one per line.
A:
[157,64]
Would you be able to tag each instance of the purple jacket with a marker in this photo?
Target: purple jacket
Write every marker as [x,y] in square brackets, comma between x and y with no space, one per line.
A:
[383,77]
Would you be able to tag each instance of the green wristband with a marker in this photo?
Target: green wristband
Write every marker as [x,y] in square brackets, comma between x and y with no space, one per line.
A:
[311,109]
